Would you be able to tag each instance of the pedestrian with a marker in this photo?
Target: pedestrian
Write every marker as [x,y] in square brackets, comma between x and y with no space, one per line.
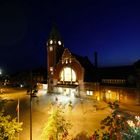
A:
[37,100]
[70,105]
[56,99]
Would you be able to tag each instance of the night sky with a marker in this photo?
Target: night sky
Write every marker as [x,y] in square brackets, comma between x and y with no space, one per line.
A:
[110,27]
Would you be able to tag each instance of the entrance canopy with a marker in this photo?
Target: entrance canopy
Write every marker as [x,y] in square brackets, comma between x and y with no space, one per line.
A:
[67,85]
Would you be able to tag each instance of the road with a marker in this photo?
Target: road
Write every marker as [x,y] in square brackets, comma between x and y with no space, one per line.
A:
[83,115]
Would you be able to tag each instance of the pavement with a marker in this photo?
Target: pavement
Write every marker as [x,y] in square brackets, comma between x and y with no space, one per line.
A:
[131,109]
[85,115]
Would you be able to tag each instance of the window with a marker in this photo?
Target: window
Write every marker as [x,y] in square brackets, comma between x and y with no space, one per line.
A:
[68,74]
[51,42]
[59,42]
[51,68]
[51,48]
[89,92]
[66,61]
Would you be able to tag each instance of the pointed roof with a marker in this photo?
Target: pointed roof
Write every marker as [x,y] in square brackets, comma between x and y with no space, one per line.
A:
[66,53]
[89,69]
[54,34]
[89,75]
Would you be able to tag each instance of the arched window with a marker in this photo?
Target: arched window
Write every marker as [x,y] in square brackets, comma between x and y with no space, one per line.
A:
[68,75]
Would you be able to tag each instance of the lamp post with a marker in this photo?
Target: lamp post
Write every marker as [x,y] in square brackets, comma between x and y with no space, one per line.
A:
[0,80]
[32,95]
[31,115]
[0,72]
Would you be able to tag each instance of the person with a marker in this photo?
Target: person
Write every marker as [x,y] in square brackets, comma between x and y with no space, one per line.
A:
[56,99]
[28,91]
[70,105]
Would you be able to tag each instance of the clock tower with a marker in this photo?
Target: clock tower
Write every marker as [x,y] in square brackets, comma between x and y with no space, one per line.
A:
[55,48]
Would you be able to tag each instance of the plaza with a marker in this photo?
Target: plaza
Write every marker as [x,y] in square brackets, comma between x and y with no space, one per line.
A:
[85,114]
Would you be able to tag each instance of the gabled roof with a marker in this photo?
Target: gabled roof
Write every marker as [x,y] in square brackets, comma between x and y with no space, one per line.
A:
[88,67]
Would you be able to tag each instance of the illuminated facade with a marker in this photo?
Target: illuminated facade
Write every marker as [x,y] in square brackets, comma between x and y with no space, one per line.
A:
[67,72]
[74,75]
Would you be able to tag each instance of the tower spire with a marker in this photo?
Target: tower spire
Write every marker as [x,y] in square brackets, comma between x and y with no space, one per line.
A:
[54,34]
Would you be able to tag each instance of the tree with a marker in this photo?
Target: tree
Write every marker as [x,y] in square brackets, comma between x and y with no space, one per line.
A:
[114,124]
[9,126]
[56,127]
[133,132]
[118,126]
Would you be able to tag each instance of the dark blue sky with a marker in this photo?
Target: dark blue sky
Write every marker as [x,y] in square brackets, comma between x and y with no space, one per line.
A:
[110,27]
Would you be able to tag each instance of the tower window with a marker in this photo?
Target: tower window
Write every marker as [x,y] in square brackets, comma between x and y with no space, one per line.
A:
[59,42]
[51,68]
[51,42]
[51,48]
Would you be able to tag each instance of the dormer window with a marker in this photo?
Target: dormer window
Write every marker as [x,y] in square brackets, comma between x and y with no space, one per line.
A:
[51,42]
[59,42]
[70,60]
[66,61]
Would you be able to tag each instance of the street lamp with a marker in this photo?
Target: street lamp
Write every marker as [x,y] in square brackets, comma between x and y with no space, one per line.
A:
[0,72]
[0,80]
[32,94]
[31,116]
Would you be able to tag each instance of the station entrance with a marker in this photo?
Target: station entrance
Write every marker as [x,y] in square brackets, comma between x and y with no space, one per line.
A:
[71,91]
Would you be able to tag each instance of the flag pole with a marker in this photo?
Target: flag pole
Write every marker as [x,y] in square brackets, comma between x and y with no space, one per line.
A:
[18,115]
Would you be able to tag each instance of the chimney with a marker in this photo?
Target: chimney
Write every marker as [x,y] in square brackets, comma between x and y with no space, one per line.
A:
[95,60]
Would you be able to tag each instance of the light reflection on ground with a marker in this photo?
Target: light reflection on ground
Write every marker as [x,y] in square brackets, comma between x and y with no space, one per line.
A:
[83,114]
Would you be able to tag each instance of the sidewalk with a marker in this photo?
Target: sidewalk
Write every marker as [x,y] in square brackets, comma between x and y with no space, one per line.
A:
[133,109]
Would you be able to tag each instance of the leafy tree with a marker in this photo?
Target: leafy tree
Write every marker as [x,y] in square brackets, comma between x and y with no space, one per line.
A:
[56,127]
[117,126]
[133,132]
[114,124]
[9,127]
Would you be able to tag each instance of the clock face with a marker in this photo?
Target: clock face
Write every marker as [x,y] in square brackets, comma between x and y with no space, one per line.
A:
[59,42]
[51,48]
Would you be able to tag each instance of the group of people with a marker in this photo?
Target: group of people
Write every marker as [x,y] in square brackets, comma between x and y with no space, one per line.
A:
[70,106]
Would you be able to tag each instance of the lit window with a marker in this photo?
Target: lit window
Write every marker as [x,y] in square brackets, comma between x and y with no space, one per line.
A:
[62,61]
[90,93]
[51,68]
[66,61]
[51,42]
[21,85]
[68,74]
[51,48]
[59,42]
